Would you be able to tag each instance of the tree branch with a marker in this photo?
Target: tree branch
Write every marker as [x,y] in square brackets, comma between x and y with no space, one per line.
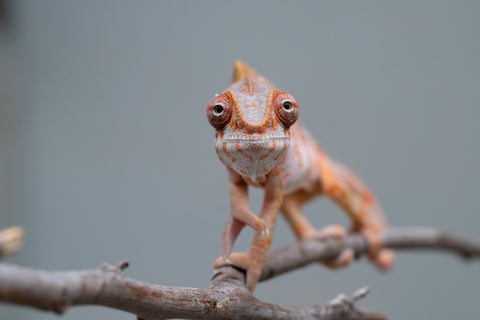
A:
[303,253]
[226,297]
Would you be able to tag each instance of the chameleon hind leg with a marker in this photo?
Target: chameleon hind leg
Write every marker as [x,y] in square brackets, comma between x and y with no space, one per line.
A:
[292,210]
[354,197]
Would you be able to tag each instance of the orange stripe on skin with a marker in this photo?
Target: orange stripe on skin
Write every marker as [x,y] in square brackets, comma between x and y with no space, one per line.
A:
[270,151]
[216,150]
[224,148]
[287,175]
[267,120]
[275,125]
[219,157]
[249,84]
[237,146]
[283,150]
[235,125]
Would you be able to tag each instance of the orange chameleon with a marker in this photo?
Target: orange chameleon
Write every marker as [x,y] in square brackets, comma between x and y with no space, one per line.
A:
[260,141]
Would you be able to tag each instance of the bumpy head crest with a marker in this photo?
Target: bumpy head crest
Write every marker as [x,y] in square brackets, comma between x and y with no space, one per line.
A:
[241,70]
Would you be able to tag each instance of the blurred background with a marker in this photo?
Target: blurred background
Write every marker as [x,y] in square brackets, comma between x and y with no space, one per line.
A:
[106,153]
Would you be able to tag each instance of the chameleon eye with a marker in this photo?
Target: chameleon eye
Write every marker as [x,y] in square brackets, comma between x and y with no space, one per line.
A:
[286,109]
[218,109]
[219,112]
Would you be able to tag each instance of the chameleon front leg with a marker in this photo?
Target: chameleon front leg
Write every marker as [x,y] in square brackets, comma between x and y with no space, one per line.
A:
[255,258]
[240,215]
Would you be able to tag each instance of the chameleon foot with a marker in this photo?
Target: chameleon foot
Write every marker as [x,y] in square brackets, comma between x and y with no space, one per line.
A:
[242,261]
[345,257]
[333,231]
[342,260]
[383,259]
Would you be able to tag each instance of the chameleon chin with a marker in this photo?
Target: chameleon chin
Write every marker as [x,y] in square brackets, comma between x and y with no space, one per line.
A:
[261,142]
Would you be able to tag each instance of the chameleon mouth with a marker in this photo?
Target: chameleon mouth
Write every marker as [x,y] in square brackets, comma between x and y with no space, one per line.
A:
[238,137]
[252,155]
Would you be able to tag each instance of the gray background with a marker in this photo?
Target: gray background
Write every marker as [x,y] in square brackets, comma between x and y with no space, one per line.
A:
[106,153]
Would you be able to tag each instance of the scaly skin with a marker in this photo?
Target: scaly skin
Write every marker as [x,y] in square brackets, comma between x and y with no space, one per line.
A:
[262,144]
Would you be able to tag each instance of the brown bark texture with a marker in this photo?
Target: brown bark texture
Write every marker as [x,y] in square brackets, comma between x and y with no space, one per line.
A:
[226,297]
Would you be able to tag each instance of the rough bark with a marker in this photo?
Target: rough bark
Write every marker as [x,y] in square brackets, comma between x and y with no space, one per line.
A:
[226,297]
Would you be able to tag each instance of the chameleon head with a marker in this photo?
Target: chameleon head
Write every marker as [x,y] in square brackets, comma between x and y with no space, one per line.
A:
[252,121]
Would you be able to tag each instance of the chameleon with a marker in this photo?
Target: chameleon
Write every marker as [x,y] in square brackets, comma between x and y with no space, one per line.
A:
[262,143]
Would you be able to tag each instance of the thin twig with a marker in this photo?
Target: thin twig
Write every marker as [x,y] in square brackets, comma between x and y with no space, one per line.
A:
[300,254]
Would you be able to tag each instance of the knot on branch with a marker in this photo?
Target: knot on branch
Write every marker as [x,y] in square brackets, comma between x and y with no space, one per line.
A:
[343,307]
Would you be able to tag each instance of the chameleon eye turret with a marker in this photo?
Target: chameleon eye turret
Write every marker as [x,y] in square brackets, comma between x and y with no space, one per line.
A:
[219,112]
[286,109]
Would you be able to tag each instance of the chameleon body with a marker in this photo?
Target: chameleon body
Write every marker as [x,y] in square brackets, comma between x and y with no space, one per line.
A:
[260,141]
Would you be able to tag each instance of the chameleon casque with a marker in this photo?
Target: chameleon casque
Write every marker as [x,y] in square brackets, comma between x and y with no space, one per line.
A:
[261,142]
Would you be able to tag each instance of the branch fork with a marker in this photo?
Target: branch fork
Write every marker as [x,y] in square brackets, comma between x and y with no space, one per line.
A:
[227,296]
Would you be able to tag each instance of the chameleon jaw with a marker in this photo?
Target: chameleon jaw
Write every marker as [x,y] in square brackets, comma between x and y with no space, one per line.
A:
[252,156]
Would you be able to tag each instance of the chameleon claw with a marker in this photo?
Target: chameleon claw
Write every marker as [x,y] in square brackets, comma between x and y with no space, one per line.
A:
[265,233]
[225,257]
